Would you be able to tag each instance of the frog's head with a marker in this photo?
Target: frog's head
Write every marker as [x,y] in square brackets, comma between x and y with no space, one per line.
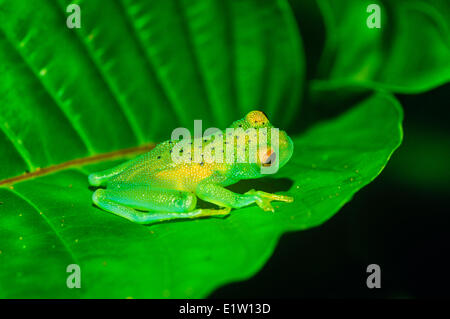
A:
[277,152]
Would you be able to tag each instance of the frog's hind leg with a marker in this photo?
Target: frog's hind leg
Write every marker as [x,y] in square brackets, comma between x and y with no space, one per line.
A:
[100,178]
[162,205]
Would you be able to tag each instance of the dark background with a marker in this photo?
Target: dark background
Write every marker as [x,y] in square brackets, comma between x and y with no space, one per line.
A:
[398,224]
[400,221]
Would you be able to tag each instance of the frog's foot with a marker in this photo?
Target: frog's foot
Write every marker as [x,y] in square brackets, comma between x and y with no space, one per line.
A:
[263,199]
[206,212]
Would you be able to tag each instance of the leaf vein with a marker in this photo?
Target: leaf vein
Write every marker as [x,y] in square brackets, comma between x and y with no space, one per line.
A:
[166,87]
[18,146]
[129,115]
[52,227]
[57,102]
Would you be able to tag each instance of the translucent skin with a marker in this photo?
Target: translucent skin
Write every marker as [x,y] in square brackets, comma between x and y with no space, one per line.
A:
[153,187]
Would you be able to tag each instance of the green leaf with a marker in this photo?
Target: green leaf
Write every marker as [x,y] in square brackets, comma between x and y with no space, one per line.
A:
[410,53]
[49,222]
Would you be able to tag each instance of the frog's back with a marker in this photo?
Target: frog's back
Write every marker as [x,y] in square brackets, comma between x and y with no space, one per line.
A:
[157,169]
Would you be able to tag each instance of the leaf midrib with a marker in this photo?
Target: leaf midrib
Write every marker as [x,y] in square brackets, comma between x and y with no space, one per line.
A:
[122,153]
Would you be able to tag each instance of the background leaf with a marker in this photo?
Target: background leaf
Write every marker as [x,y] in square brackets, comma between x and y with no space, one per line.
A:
[133,68]
[410,53]
[49,222]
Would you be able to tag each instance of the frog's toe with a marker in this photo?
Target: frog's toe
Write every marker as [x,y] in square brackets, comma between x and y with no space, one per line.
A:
[264,204]
[206,212]
[96,180]
[221,212]
[283,198]
[266,198]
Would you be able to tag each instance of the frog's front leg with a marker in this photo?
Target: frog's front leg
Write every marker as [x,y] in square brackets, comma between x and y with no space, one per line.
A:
[162,205]
[225,198]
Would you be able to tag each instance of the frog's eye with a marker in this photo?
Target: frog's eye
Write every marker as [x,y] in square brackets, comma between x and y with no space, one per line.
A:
[268,158]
